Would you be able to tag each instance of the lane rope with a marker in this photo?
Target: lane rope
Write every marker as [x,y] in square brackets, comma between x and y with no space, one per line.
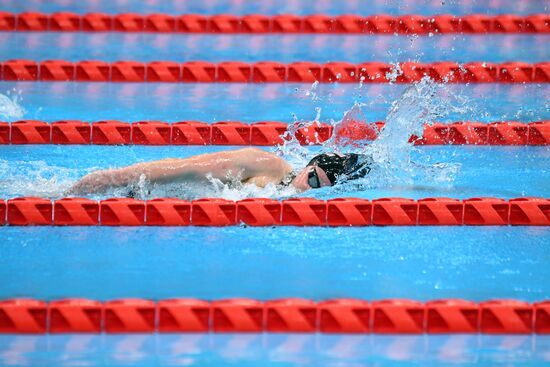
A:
[289,315]
[440,211]
[266,133]
[288,23]
[273,72]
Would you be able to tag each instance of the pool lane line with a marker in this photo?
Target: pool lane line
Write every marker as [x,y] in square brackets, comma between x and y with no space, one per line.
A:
[266,133]
[438,211]
[286,23]
[287,315]
[273,72]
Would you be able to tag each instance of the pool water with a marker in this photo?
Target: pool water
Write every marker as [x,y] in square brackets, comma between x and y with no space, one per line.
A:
[506,172]
[316,48]
[280,349]
[421,263]
[263,102]
[299,7]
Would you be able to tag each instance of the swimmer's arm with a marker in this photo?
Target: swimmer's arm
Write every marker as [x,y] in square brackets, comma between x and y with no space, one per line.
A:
[101,181]
[249,163]
[243,164]
[164,170]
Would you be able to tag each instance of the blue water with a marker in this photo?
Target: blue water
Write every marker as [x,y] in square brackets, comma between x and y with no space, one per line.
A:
[319,263]
[423,263]
[274,350]
[282,48]
[257,102]
[301,7]
[505,172]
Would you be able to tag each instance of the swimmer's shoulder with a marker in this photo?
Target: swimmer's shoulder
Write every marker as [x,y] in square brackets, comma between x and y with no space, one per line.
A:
[276,165]
[258,153]
[254,151]
[278,162]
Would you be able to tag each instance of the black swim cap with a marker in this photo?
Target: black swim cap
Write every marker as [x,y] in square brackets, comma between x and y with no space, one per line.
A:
[342,167]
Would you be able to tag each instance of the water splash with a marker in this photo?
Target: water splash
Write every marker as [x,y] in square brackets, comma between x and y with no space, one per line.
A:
[33,178]
[232,190]
[421,103]
[394,165]
[10,106]
[291,149]
[392,153]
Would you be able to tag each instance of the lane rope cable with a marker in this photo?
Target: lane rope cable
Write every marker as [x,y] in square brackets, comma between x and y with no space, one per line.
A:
[273,72]
[289,315]
[265,133]
[437,211]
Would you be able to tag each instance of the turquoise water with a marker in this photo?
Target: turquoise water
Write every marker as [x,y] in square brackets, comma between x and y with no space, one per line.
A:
[317,48]
[319,263]
[505,172]
[274,350]
[423,263]
[301,7]
[267,102]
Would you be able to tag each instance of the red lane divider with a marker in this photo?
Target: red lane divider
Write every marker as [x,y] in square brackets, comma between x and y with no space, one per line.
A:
[289,315]
[129,316]
[237,315]
[286,23]
[272,72]
[267,133]
[74,316]
[529,211]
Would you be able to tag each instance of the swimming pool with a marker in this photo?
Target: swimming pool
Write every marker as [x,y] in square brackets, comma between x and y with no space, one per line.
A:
[422,263]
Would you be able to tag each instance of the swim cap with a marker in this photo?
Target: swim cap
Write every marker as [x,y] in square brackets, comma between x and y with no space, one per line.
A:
[342,167]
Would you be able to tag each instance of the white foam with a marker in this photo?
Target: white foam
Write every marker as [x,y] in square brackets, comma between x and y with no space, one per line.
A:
[10,106]
[421,103]
[33,178]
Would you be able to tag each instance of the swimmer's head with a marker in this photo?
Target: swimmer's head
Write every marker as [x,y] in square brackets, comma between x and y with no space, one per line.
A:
[329,169]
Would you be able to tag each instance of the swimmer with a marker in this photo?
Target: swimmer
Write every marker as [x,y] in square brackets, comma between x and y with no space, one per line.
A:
[249,165]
